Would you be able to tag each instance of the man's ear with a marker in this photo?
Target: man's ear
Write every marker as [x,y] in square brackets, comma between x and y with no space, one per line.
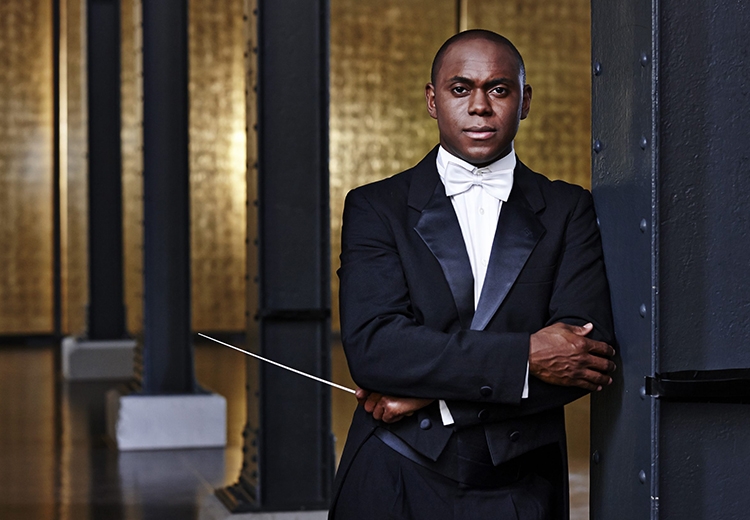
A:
[429,95]
[526,103]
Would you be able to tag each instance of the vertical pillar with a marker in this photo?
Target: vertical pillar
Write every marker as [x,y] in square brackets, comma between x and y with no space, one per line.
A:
[289,454]
[167,351]
[670,181]
[169,411]
[105,352]
[106,312]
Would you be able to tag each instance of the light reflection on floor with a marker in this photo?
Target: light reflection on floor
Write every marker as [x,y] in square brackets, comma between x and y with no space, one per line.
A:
[55,462]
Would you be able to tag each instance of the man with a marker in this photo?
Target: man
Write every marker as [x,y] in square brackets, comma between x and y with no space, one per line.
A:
[474,305]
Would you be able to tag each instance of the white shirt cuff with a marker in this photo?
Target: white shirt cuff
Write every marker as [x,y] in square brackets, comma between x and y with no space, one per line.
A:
[525,393]
[445,414]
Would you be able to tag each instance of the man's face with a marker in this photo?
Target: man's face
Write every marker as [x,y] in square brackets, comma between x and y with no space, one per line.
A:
[478,100]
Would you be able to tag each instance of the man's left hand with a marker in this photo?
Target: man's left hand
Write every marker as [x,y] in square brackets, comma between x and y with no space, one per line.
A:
[387,408]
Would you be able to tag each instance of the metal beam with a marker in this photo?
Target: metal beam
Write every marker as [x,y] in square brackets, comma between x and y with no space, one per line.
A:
[106,311]
[670,184]
[289,450]
[167,351]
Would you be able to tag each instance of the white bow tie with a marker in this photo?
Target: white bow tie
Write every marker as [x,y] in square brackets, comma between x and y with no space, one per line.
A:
[458,180]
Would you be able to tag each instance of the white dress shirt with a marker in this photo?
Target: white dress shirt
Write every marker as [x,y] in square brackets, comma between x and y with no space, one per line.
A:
[478,211]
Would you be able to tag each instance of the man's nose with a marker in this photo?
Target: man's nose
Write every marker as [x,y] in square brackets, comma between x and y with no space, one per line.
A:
[479,103]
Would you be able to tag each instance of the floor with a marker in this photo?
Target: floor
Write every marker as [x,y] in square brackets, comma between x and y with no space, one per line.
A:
[56,463]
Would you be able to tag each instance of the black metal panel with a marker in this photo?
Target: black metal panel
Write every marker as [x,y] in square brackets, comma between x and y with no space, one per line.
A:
[622,184]
[703,460]
[704,242]
[106,309]
[705,184]
[291,446]
[672,153]
[294,248]
[167,351]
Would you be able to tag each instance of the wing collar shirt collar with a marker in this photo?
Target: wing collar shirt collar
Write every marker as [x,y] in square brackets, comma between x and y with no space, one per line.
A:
[477,195]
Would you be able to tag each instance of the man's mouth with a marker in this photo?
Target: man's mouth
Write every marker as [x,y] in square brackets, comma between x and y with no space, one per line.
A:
[479,133]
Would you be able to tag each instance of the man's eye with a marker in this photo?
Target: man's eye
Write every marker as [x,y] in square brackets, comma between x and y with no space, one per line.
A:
[460,90]
[500,90]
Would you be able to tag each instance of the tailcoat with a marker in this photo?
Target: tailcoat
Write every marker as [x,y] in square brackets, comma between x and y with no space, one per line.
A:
[409,326]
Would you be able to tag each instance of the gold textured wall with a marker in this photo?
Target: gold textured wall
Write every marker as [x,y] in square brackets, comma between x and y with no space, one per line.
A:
[217,163]
[26,167]
[74,167]
[554,39]
[131,101]
[381,52]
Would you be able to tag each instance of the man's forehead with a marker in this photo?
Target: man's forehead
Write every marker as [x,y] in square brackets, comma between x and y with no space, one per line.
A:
[479,56]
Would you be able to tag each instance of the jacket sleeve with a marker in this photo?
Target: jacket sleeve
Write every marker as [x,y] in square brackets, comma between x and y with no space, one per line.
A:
[580,295]
[388,351]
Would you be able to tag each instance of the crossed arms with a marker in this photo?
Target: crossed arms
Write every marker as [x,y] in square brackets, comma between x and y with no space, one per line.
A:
[405,364]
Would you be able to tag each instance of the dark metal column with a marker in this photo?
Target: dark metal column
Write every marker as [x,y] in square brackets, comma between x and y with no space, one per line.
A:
[106,310]
[167,350]
[671,184]
[291,444]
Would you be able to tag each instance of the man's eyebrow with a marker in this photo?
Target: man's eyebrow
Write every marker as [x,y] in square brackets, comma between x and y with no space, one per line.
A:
[489,83]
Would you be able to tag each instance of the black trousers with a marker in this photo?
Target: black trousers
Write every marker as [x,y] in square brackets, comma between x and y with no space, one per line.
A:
[382,484]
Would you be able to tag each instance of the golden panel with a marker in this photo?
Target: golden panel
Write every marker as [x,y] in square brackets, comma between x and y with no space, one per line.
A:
[26,213]
[381,54]
[555,41]
[131,136]
[74,148]
[217,164]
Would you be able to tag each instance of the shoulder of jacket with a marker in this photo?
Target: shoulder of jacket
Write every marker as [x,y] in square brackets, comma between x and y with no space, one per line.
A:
[384,189]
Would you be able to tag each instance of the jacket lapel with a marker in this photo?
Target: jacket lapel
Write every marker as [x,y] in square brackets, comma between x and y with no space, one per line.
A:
[438,228]
[518,232]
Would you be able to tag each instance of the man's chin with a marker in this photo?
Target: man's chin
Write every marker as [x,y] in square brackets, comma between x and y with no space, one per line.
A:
[484,157]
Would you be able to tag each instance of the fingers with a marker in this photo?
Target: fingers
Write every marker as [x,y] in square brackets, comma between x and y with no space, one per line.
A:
[561,354]
[600,364]
[597,379]
[371,403]
[392,409]
[582,331]
[599,348]
[361,394]
[595,347]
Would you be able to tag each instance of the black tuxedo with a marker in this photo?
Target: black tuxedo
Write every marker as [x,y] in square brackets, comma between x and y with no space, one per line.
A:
[408,322]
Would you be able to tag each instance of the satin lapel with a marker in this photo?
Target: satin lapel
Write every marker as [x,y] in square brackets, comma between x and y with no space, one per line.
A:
[518,232]
[438,227]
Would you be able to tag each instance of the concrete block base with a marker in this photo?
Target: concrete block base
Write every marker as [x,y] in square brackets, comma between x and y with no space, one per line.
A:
[84,360]
[158,422]
[211,508]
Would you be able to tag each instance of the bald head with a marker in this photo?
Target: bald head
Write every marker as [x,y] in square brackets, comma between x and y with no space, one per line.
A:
[476,34]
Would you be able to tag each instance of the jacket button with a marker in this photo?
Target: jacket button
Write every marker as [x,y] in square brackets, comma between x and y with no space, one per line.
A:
[514,436]
[426,424]
[486,391]
[483,415]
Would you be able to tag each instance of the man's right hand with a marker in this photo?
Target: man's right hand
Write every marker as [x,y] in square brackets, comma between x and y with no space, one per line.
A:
[389,409]
[561,354]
